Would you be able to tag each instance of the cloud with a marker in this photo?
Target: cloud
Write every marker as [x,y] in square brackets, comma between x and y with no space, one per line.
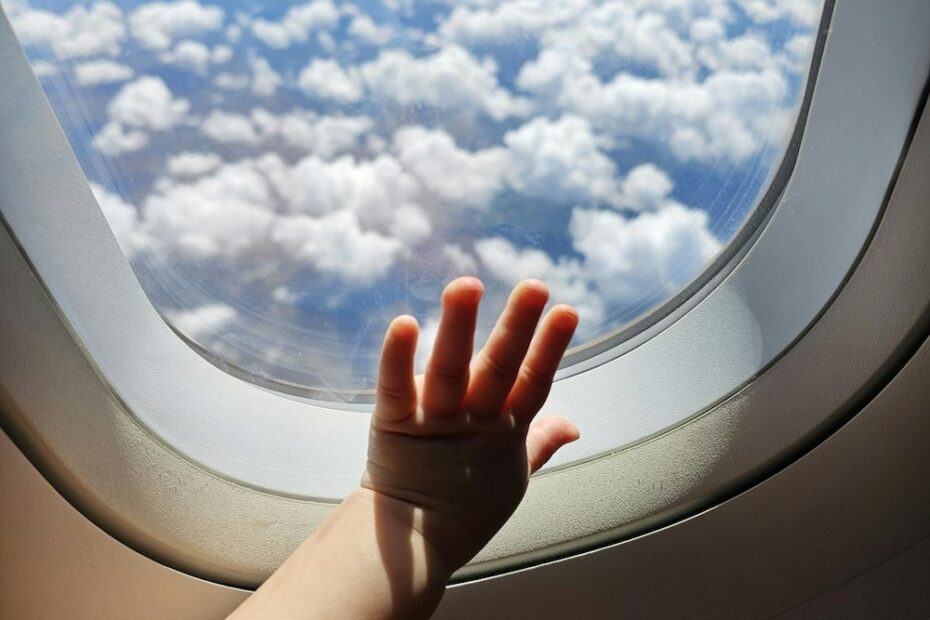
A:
[297,24]
[450,79]
[411,225]
[157,24]
[798,50]
[373,189]
[141,106]
[113,139]
[647,257]
[224,214]
[324,136]
[94,72]
[666,75]
[147,103]
[461,262]
[202,321]
[646,187]
[335,244]
[123,220]
[551,71]
[192,164]
[44,69]
[229,128]
[79,32]
[626,262]
[265,80]
[231,81]
[190,55]
[454,176]
[565,278]
[236,209]
[561,160]
[506,21]
[362,28]
[800,12]
[221,54]
[646,34]
[326,79]
[729,115]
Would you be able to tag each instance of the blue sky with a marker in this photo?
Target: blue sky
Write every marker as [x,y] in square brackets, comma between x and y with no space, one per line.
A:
[285,179]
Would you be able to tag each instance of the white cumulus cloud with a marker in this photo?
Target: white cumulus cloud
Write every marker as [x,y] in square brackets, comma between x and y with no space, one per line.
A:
[645,187]
[158,24]
[192,164]
[324,136]
[453,175]
[229,128]
[336,244]
[147,103]
[326,79]
[373,189]
[114,139]
[123,220]
[365,29]
[223,214]
[265,80]
[80,31]
[450,79]
[297,24]
[649,256]
[561,160]
[565,278]
[202,321]
[190,55]
[802,12]
[93,72]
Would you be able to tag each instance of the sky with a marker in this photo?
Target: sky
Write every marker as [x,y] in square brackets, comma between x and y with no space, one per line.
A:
[285,179]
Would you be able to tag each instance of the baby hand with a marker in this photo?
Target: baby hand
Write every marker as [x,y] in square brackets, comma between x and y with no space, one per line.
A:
[451,452]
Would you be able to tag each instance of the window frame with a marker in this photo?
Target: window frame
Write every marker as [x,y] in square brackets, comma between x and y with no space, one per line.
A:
[116,364]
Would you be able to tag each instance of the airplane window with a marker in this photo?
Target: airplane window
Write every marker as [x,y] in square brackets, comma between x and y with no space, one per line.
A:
[285,179]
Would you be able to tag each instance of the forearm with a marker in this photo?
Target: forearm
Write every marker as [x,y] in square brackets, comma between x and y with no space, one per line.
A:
[368,560]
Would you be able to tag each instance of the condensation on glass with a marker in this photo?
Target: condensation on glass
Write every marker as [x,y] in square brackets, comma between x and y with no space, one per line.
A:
[286,179]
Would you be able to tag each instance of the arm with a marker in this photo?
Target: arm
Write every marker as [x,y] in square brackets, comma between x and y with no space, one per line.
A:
[449,459]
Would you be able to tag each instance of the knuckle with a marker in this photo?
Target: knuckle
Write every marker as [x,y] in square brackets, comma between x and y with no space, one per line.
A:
[535,379]
[446,372]
[500,370]
[392,392]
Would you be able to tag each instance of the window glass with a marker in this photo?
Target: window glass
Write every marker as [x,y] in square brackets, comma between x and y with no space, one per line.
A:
[285,178]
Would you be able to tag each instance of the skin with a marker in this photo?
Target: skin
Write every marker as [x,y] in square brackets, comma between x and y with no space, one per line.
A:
[450,455]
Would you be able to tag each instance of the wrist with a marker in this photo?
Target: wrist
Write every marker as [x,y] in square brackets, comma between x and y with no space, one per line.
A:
[427,532]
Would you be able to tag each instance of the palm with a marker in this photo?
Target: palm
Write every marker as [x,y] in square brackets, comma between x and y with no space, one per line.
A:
[457,446]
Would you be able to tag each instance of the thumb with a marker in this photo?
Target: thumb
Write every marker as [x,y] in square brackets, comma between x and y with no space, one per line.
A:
[545,437]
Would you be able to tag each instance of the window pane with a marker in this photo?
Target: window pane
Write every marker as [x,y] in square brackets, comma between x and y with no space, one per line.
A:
[286,179]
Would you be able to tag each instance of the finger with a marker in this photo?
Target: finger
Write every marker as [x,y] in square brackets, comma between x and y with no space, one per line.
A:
[538,369]
[545,437]
[495,367]
[446,376]
[396,396]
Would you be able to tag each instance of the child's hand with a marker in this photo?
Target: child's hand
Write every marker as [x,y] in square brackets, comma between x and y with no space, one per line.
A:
[448,461]
[450,453]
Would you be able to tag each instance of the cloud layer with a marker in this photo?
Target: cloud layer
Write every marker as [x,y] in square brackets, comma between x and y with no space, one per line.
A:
[284,181]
